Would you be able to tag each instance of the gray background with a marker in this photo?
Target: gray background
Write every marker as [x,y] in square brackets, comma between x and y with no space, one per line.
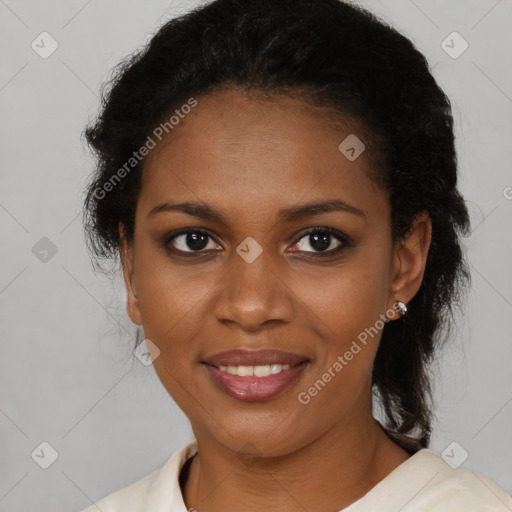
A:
[66,373]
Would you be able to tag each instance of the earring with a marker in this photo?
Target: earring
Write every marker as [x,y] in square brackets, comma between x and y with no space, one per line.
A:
[400,307]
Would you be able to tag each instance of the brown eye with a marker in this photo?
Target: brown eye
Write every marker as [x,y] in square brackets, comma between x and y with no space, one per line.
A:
[190,241]
[322,241]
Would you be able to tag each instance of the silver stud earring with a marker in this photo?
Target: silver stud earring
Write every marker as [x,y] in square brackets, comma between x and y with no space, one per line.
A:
[400,307]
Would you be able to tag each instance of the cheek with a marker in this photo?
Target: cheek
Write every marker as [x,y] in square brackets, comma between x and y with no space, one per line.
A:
[349,297]
[173,303]
[347,310]
[342,373]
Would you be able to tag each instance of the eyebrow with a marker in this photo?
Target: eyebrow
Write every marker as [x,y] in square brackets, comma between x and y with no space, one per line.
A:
[204,211]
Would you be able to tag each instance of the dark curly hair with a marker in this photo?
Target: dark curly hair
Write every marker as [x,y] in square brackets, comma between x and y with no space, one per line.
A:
[332,54]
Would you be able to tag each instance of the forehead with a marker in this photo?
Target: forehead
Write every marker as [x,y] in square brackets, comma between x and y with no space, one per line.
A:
[251,151]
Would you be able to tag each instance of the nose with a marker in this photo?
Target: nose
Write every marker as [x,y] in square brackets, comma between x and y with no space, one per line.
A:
[253,295]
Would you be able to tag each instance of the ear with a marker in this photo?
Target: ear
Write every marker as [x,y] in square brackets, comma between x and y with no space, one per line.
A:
[409,260]
[127,261]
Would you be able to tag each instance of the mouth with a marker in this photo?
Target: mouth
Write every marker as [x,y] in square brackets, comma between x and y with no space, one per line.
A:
[254,371]
[255,375]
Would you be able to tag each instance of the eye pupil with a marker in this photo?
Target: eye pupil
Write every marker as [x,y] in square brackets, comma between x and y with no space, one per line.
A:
[197,241]
[320,242]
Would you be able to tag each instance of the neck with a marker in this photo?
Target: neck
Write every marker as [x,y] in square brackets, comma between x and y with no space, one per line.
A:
[329,473]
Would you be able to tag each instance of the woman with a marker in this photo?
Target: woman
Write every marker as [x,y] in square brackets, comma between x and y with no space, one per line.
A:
[280,182]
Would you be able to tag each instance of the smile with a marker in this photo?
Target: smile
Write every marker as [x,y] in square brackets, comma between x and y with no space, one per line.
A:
[255,383]
[256,371]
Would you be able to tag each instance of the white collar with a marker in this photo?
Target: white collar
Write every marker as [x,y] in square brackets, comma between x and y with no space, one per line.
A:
[165,492]
[423,481]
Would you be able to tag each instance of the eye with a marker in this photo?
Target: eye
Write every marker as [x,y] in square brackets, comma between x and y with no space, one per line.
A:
[322,241]
[190,241]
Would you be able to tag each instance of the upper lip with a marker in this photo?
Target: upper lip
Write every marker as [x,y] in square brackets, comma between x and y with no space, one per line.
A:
[240,357]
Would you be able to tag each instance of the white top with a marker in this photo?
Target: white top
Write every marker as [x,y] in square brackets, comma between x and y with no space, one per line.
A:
[423,483]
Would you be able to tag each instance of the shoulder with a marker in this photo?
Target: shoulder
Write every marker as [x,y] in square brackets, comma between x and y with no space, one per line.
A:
[145,493]
[439,487]
[427,483]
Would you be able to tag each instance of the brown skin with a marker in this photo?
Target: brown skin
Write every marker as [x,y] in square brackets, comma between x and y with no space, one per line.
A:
[250,158]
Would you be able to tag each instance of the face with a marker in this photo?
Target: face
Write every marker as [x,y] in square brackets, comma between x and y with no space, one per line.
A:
[266,273]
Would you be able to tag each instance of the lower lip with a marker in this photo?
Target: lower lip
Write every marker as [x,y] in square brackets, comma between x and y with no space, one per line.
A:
[252,389]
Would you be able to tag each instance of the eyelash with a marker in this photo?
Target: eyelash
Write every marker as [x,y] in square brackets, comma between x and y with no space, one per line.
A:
[345,241]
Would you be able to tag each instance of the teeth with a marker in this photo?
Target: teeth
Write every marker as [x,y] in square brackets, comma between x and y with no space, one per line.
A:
[262,371]
[245,371]
[276,368]
[256,371]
